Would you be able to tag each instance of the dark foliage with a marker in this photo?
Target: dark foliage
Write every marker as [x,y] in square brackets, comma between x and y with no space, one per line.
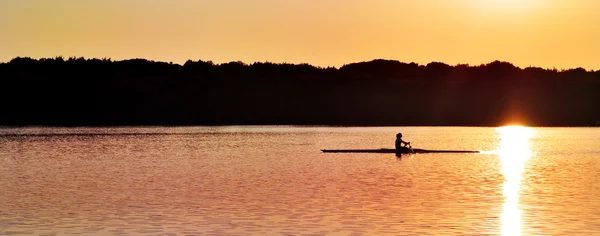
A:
[101,92]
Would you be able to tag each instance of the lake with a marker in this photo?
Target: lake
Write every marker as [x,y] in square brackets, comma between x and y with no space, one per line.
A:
[274,180]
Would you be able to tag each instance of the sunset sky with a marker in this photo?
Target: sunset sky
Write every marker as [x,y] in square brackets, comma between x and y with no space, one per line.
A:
[545,33]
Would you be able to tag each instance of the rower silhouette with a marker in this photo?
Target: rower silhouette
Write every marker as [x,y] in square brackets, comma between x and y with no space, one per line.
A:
[401,144]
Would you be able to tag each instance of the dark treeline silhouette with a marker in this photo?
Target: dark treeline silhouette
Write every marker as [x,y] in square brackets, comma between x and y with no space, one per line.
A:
[102,92]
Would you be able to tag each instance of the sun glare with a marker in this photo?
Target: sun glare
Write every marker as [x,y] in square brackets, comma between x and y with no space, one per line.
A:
[514,151]
[509,6]
[514,3]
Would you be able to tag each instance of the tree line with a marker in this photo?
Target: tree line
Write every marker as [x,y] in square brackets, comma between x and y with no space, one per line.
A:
[102,92]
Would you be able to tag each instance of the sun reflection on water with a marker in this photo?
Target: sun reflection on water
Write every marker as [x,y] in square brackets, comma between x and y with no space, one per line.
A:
[514,151]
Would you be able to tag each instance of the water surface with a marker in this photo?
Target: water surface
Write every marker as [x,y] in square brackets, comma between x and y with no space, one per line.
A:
[275,181]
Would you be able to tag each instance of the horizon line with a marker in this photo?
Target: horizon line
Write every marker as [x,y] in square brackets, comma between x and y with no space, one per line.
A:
[301,63]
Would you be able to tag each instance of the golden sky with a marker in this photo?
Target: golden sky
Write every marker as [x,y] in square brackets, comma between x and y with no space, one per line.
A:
[546,33]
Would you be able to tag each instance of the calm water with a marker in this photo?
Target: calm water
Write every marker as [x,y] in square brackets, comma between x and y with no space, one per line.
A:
[275,181]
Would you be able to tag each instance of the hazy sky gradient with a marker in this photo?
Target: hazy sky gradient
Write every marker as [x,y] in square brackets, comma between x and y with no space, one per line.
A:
[545,33]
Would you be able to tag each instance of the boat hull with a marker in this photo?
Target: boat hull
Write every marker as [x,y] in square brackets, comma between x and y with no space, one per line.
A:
[389,150]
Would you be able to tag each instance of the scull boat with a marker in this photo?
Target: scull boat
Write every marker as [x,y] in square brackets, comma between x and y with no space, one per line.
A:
[404,150]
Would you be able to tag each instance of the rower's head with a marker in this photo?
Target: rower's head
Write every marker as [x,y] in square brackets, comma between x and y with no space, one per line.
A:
[399,135]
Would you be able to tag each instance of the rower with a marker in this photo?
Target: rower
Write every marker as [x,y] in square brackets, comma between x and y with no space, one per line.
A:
[401,144]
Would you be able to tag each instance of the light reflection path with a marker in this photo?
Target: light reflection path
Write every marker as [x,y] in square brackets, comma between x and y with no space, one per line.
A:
[514,151]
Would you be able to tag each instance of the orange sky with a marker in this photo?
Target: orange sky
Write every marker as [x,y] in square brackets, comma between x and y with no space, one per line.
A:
[546,33]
